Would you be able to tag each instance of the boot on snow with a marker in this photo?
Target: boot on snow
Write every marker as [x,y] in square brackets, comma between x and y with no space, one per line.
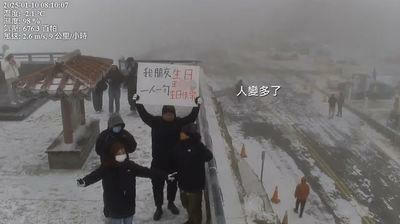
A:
[157,214]
[173,208]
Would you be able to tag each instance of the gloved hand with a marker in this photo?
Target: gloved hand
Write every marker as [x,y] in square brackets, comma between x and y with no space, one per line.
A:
[171,176]
[80,183]
[198,101]
[135,97]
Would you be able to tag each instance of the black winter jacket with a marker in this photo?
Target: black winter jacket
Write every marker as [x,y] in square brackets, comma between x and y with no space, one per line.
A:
[119,186]
[114,79]
[101,86]
[164,135]
[131,79]
[108,137]
[188,159]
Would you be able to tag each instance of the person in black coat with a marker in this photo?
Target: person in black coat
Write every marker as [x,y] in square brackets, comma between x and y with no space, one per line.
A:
[118,175]
[188,159]
[340,102]
[131,80]
[114,79]
[332,104]
[114,133]
[165,131]
[97,95]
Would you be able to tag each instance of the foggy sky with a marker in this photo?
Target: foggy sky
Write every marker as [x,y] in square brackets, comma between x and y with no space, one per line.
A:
[368,28]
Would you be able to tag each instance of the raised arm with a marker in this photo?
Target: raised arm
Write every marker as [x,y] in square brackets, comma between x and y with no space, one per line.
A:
[142,171]
[94,176]
[145,116]
[190,118]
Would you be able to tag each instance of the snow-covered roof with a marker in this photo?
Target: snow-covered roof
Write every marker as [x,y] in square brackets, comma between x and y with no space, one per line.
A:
[72,74]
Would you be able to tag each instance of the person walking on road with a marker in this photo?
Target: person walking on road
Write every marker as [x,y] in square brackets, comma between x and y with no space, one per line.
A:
[301,195]
[332,104]
[114,79]
[188,159]
[118,175]
[340,102]
[165,131]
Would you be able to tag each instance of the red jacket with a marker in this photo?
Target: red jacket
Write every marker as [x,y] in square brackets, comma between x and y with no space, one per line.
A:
[302,191]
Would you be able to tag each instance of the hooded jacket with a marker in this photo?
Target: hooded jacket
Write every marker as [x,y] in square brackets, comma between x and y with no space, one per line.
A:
[119,186]
[164,135]
[108,137]
[188,159]
[302,190]
[10,71]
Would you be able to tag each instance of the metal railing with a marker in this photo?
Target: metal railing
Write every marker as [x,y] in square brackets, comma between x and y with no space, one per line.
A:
[122,62]
[213,193]
[37,57]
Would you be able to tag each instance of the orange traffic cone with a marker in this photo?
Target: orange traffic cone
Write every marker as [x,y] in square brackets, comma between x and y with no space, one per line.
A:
[285,219]
[275,198]
[243,153]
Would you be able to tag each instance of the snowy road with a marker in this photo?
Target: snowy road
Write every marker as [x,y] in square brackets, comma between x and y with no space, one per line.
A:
[354,172]
[31,193]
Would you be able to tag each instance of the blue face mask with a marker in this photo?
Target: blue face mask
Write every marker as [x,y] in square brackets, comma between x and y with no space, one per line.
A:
[117,129]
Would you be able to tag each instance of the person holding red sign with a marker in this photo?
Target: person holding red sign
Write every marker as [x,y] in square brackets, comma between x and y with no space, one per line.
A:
[165,132]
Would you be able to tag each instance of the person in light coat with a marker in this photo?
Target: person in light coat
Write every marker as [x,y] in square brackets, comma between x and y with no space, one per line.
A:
[10,68]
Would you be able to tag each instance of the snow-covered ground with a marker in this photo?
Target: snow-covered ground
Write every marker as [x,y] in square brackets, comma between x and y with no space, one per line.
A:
[353,170]
[32,193]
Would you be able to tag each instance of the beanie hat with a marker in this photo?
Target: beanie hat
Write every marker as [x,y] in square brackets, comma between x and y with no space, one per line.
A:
[168,109]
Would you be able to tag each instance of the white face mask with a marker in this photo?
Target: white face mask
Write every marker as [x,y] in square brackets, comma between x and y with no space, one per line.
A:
[117,129]
[120,158]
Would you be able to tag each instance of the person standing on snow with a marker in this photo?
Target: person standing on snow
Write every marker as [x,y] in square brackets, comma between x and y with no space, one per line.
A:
[97,95]
[131,80]
[340,102]
[118,175]
[332,104]
[301,195]
[114,79]
[188,159]
[114,133]
[165,132]
[11,73]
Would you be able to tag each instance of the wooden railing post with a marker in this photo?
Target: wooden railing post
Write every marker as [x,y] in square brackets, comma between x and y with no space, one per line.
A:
[66,112]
